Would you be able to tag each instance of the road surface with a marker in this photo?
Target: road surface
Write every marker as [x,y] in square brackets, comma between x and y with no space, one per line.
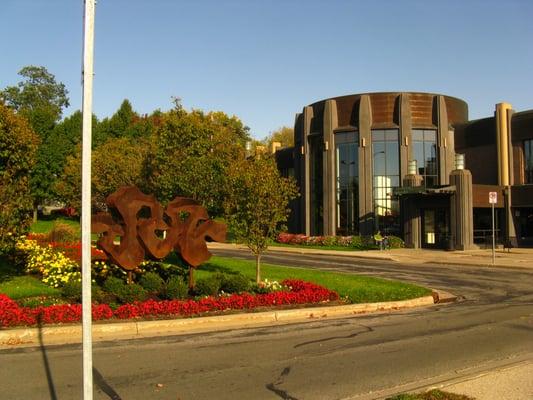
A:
[362,357]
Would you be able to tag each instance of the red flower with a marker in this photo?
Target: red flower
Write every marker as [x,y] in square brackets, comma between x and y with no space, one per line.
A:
[301,292]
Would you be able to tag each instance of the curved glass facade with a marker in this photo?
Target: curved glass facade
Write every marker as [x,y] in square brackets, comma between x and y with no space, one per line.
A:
[347,183]
[386,177]
[316,149]
[425,154]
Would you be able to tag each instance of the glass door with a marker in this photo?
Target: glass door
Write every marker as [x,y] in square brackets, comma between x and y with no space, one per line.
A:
[435,228]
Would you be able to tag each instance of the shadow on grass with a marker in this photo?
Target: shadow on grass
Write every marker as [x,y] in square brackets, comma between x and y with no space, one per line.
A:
[216,268]
[8,270]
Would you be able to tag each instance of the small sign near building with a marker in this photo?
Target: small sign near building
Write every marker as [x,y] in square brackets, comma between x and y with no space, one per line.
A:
[493,197]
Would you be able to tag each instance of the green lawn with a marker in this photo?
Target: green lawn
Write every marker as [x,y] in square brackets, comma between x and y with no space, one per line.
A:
[17,286]
[359,289]
[45,225]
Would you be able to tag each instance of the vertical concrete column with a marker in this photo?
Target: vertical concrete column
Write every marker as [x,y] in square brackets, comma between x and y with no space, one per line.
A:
[299,174]
[306,195]
[412,228]
[405,134]
[461,218]
[366,209]
[505,164]
[502,142]
[446,152]
[329,175]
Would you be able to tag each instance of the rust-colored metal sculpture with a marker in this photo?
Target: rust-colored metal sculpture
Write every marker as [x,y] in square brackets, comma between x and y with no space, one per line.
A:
[140,224]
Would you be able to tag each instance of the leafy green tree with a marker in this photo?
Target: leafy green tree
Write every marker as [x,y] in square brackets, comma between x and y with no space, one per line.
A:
[38,98]
[256,204]
[18,145]
[124,123]
[283,135]
[116,163]
[190,155]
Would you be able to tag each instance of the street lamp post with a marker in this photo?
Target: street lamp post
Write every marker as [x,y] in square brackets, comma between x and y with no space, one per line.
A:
[87,76]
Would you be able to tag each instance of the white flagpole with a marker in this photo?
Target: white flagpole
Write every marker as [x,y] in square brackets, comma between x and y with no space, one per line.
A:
[87,76]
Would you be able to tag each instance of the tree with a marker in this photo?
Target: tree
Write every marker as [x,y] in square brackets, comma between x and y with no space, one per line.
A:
[124,123]
[283,135]
[38,98]
[18,145]
[190,155]
[256,204]
[116,163]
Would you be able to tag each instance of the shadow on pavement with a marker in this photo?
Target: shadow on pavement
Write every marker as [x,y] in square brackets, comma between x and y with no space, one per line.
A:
[47,370]
[104,386]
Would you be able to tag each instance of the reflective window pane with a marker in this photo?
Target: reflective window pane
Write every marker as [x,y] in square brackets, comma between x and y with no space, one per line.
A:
[528,161]
[386,163]
[424,151]
[347,173]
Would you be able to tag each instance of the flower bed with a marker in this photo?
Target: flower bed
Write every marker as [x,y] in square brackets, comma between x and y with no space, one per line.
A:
[353,242]
[300,292]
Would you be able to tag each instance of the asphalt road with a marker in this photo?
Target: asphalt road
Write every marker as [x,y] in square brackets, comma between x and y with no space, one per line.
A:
[363,357]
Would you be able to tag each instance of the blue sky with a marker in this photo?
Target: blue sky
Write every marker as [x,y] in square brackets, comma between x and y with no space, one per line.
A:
[264,60]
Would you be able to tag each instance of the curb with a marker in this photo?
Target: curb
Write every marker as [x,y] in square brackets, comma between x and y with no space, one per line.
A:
[298,250]
[71,334]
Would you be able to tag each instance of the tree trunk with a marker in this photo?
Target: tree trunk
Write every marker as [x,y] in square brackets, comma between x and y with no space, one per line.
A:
[34,214]
[130,277]
[191,278]
[258,268]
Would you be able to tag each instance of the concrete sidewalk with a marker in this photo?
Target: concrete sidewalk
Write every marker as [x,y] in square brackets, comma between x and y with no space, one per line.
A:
[516,258]
[507,383]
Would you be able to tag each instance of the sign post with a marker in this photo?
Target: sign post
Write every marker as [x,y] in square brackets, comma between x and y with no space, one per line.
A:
[493,199]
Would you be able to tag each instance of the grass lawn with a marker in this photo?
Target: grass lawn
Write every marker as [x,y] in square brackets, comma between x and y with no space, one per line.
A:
[359,289]
[19,286]
[45,225]
[431,395]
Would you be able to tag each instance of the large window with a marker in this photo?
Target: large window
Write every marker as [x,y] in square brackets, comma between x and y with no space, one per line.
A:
[385,152]
[347,173]
[316,190]
[425,154]
[528,161]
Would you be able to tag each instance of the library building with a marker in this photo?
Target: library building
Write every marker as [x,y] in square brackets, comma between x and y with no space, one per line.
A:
[412,165]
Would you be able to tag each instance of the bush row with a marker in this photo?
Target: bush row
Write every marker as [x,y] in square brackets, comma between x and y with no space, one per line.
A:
[298,292]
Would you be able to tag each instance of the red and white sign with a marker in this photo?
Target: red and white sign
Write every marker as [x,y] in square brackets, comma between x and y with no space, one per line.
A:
[493,197]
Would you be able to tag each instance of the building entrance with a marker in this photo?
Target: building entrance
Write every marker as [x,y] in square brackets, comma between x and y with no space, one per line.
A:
[435,228]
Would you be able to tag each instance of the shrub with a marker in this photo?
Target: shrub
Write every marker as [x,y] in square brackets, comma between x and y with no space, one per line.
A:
[62,232]
[114,285]
[151,282]
[329,241]
[165,270]
[72,290]
[208,286]
[131,293]
[235,283]
[176,288]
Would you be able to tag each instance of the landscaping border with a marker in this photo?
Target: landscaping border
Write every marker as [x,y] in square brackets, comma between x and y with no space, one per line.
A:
[71,334]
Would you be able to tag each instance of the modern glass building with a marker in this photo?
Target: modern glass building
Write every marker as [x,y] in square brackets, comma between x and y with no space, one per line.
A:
[387,162]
